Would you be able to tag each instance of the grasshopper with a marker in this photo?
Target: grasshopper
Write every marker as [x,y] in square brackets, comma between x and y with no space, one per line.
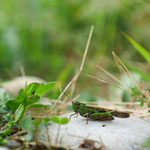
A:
[96,112]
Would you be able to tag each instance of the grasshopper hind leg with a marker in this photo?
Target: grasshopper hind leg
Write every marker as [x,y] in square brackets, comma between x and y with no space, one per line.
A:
[87,117]
[102,117]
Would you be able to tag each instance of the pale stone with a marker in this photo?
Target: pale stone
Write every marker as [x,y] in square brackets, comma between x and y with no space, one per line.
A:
[4,148]
[119,134]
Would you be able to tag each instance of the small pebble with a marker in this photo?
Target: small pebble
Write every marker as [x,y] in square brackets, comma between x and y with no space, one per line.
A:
[103,125]
[13,144]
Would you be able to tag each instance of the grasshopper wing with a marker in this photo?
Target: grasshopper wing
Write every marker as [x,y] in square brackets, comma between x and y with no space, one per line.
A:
[115,113]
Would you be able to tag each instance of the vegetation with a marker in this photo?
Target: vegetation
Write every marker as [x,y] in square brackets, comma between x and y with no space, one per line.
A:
[15,116]
[46,38]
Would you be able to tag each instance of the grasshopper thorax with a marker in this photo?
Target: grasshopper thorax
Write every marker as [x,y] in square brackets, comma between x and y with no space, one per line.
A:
[77,105]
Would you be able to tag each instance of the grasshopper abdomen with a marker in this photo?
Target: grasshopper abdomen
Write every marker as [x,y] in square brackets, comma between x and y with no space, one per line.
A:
[120,114]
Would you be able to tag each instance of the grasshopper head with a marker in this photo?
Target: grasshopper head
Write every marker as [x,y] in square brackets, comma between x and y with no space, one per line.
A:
[77,105]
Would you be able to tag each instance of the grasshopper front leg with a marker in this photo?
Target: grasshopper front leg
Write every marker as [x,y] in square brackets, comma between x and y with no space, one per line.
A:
[87,118]
[73,115]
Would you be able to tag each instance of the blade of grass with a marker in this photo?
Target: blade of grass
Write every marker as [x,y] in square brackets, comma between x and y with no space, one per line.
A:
[139,48]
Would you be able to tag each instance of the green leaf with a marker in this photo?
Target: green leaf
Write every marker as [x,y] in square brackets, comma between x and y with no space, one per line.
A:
[27,123]
[3,97]
[64,120]
[125,96]
[32,88]
[135,91]
[3,94]
[45,120]
[38,105]
[141,104]
[60,120]
[5,132]
[11,123]
[43,88]
[19,99]
[12,105]
[39,121]
[21,92]
[55,119]
[6,118]
[147,143]
[3,141]
[19,112]
[28,137]
[3,111]
[139,48]
[148,111]
[32,99]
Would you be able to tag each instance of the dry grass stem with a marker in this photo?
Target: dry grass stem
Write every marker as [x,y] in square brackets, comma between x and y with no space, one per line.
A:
[63,105]
[110,75]
[127,71]
[16,134]
[104,81]
[131,77]
[122,71]
[84,57]
[74,79]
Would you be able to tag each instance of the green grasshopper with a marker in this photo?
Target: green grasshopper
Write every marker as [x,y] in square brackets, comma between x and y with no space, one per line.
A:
[96,112]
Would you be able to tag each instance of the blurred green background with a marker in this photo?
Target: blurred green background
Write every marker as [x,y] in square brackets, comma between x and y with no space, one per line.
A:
[47,37]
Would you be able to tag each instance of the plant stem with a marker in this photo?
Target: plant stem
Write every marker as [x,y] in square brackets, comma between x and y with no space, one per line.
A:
[58,134]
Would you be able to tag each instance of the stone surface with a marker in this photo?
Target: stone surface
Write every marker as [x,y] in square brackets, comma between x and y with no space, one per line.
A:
[13,144]
[119,134]
[4,148]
